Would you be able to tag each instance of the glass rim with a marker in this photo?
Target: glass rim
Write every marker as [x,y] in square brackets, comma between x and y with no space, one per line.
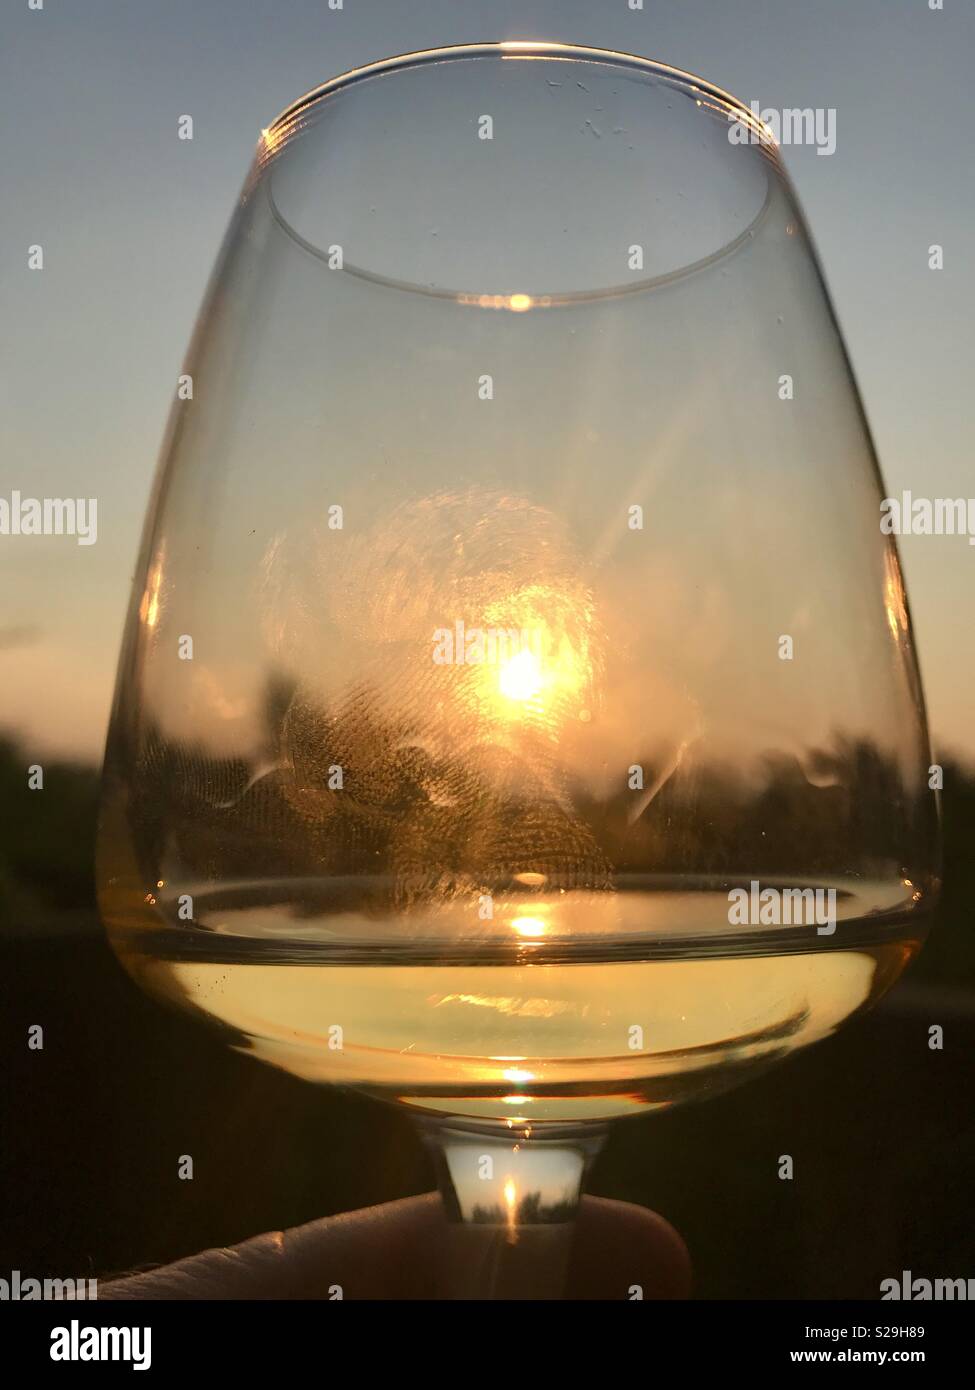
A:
[521,49]
[276,137]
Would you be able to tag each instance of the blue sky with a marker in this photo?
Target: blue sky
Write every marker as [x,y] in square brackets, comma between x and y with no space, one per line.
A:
[130,218]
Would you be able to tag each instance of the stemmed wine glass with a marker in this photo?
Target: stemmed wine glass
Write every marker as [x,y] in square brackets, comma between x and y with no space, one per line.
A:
[518,716]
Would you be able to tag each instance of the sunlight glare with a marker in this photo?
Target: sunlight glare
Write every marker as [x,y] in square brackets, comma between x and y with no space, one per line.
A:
[521,677]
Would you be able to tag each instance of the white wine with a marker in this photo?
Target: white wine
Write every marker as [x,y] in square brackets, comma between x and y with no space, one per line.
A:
[566,1007]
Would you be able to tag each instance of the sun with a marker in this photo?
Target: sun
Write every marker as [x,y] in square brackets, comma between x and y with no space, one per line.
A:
[520,678]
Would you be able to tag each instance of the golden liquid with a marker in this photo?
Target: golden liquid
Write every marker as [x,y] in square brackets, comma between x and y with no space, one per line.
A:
[524,1022]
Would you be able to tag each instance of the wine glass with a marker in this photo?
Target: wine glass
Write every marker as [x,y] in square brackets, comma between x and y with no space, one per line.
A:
[518,716]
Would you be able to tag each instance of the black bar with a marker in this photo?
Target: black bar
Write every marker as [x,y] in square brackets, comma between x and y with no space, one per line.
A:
[290,1337]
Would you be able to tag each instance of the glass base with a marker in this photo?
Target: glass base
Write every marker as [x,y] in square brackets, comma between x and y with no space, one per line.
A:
[511,1197]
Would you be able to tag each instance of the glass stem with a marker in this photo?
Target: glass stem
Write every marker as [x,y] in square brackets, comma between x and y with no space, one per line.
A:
[511,1195]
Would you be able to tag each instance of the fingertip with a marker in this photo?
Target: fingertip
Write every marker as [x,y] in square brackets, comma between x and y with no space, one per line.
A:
[626,1252]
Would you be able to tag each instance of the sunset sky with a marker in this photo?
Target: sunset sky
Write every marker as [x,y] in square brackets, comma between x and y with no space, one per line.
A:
[130,219]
